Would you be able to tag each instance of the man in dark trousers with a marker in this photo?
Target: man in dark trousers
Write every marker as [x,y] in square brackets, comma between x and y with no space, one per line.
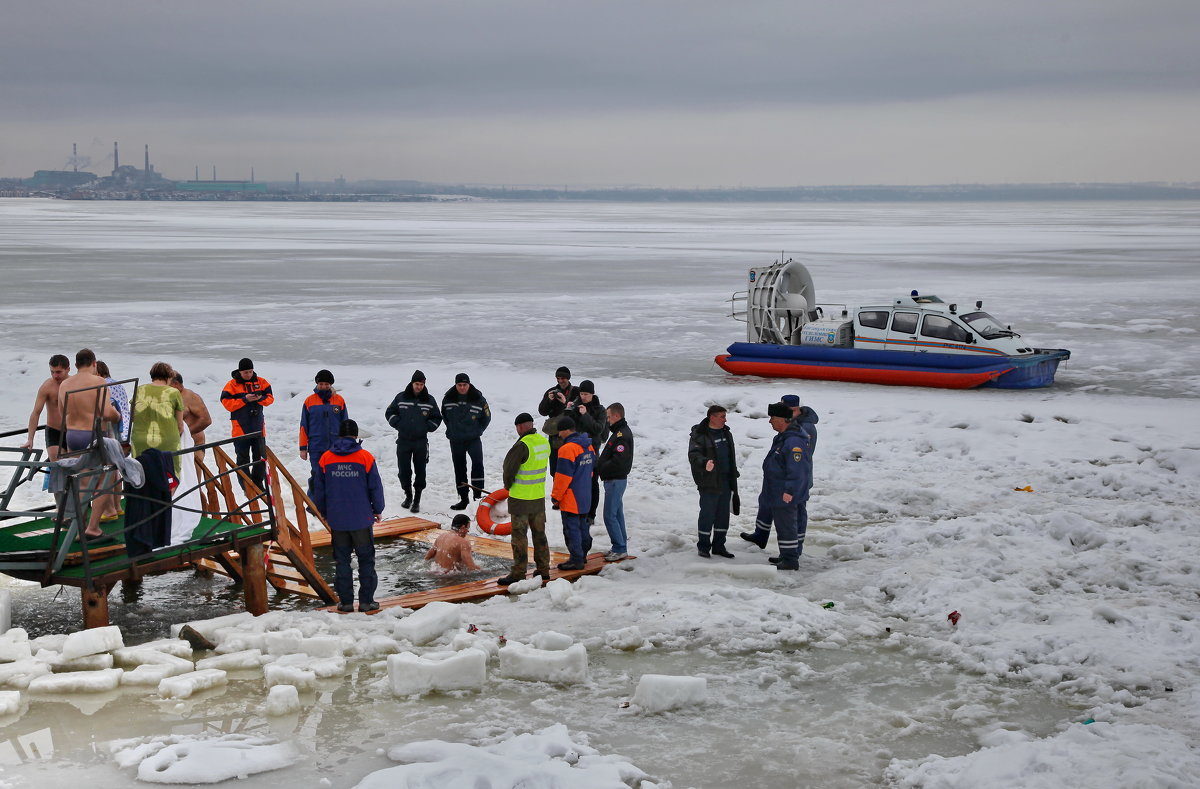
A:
[590,417]
[349,493]
[245,397]
[573,491]
[805,419]
[526,467]
[714,469]
[785,480]
[553,405]
[414,415]
[616,460]
[466,413]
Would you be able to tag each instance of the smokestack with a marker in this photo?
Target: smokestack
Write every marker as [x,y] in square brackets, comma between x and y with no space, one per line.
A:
[197,172]
[116,159]
[214,172]
[75,157]
[147,161]
[297,182]
[251,175]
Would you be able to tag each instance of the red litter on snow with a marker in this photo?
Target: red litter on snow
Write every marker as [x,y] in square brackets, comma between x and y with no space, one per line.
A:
[954,616]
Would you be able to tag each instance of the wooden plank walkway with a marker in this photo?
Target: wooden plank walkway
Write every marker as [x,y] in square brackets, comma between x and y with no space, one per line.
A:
[474,591]
[392,527]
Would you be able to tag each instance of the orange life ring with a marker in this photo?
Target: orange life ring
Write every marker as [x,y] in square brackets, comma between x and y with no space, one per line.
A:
[483,515]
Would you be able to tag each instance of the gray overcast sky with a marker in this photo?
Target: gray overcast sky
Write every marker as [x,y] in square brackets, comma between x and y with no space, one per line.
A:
[651,92]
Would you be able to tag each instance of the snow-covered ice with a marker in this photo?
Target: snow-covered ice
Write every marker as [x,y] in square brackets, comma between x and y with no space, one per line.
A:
[185,685]
[549,759]
[77,681]
[199,759]
[660,692]
[1058,523]
[10,702]
[429,623]
[90,642]
[244,660]
[410,674]
[519,661]
[283,700]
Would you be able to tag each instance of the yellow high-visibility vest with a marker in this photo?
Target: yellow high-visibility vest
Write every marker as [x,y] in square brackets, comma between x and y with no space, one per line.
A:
[530,483]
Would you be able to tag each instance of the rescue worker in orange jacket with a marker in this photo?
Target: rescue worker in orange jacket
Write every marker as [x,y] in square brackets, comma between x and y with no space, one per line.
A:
[320,419]
[245,397]
[573,490]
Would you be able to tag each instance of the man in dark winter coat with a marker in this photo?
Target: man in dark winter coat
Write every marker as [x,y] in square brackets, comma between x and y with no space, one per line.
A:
[805,419]
[553,405]
[349,493]
[613,469]
[714,469]
[785,481]
[414,415]
[467,415]
[590,418]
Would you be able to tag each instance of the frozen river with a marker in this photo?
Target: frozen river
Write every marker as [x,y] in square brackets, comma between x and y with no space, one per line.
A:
[624,289]
[1077,597]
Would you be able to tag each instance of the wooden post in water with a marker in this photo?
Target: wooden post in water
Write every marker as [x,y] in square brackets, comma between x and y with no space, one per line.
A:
[254,578]
[95,605]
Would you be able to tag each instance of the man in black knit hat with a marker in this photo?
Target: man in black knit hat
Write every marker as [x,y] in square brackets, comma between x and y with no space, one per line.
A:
[414,415]
[554,403]
[467,415]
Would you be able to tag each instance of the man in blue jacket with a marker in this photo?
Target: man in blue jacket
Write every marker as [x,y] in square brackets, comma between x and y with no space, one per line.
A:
[321,418]
[785,482]
[349,493]
[467,415]
[805,419]
[414,415]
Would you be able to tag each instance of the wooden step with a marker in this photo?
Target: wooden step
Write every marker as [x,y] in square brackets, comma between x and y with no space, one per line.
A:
[474,591]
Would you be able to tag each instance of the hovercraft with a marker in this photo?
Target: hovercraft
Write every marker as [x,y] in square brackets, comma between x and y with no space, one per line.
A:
[917,340]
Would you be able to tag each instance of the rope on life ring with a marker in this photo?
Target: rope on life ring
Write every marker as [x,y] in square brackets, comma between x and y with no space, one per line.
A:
[483,515]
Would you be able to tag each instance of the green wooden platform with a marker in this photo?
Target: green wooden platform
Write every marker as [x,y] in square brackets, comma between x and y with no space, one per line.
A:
[35,538]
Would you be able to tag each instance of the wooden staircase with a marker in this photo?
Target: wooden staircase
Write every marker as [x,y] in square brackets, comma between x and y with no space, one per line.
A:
[289,559]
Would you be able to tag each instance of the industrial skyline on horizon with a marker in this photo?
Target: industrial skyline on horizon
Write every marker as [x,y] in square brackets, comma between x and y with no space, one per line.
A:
[84,164]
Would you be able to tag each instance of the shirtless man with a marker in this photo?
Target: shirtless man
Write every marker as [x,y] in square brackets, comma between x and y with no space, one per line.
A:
[80,410]
[47,398]
[195,413]
[451,550]
[80,419]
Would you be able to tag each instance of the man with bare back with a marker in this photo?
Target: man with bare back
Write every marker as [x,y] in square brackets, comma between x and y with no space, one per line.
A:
[80,418]
[195,412]
[47,399]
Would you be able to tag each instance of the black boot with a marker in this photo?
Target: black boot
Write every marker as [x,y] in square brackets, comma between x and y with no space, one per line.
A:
[753,537]
[416,502]
[476,493]
[462,500]
[407,503]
